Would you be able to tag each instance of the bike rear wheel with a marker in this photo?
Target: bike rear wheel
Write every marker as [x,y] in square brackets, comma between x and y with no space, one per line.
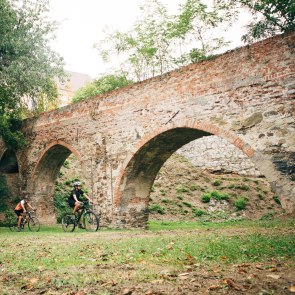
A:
[90,221]
[34,224]
[68,223]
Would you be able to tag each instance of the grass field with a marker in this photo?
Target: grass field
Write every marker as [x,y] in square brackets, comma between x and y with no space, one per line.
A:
[169,258]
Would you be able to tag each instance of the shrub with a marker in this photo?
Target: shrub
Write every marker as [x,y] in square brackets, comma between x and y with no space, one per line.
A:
[216,182]
[276,199]
[164,200]
[163,193]
[219,196]
[180,197]
[198,212]
[181,189]
[187,204]
[240,203]
[205,198]
[156,208]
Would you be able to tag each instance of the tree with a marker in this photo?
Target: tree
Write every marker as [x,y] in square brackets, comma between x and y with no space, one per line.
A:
[102,85]
[160,42]
[271,17]
[27,64]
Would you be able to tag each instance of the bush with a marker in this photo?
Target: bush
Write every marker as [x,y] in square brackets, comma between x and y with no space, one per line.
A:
[198,212]
[240,203]
[219,196]
[205,198]
[156,209]
[277,200]
[216,182]
[187,204]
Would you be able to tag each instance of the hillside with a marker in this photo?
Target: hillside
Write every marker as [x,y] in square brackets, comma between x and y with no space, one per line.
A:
[183,192]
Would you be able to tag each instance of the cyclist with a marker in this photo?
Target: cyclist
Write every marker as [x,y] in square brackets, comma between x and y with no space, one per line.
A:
[21,208]
[76,197]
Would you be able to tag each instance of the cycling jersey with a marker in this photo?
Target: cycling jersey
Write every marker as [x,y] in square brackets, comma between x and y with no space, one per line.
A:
[20,205]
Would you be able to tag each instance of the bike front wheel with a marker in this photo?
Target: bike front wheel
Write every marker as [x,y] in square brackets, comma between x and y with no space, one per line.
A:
[68,223]
[90,221]
[34,224]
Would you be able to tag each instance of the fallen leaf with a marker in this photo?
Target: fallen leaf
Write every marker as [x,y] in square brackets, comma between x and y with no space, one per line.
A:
[276,277]
[292,289]
[214,287]
[234,285]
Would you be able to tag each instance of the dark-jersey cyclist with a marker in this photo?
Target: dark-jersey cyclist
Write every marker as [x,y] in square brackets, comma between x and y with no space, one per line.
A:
[21,209]
[77,196]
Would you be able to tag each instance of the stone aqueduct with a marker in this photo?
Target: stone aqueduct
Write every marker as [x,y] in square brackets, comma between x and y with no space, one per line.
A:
[122,138]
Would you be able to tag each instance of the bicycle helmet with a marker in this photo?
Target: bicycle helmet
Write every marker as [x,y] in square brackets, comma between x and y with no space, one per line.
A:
[77,183]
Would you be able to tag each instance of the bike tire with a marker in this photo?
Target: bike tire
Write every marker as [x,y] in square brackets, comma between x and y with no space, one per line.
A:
[90,221]
[68,223]
[34,224]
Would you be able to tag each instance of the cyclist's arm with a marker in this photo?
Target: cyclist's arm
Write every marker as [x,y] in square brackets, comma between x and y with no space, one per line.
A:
[75,198]
[87,197]
[30,206]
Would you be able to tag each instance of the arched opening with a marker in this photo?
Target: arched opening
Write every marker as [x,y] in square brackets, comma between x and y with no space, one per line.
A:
[142,170]
[45,178]
[8,162]
[138,181]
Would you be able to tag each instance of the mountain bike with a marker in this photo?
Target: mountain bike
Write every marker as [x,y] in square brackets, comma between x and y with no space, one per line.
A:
[86,217]
[32,221]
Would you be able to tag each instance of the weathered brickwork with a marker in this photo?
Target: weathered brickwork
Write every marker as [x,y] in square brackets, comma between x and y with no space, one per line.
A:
[122,138]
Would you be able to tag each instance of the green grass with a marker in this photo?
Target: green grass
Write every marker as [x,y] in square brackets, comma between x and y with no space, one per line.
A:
[67,261]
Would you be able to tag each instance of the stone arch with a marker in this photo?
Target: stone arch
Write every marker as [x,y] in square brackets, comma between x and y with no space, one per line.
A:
[44,176]
[143,164]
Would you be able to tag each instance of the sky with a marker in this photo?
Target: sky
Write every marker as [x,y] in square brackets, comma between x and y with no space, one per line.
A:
[82,23]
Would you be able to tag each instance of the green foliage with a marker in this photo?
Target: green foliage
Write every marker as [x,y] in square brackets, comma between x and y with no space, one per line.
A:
[216,182]
[162,191]
[156,208]
[182,189]
[198,212]
[180,197]
[187,204]
[267,216]
[205,198]
[277,200]
[164,200]
[159,42]
[27,65]
[240,203]
[102,85]
[270,17]
[219,196]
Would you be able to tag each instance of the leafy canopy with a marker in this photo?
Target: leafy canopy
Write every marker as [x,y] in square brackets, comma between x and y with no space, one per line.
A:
[271,17]
[27,65]
[159,42]
[102,85]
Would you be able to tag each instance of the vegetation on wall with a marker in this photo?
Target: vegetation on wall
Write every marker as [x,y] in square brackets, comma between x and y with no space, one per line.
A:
[27,65]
